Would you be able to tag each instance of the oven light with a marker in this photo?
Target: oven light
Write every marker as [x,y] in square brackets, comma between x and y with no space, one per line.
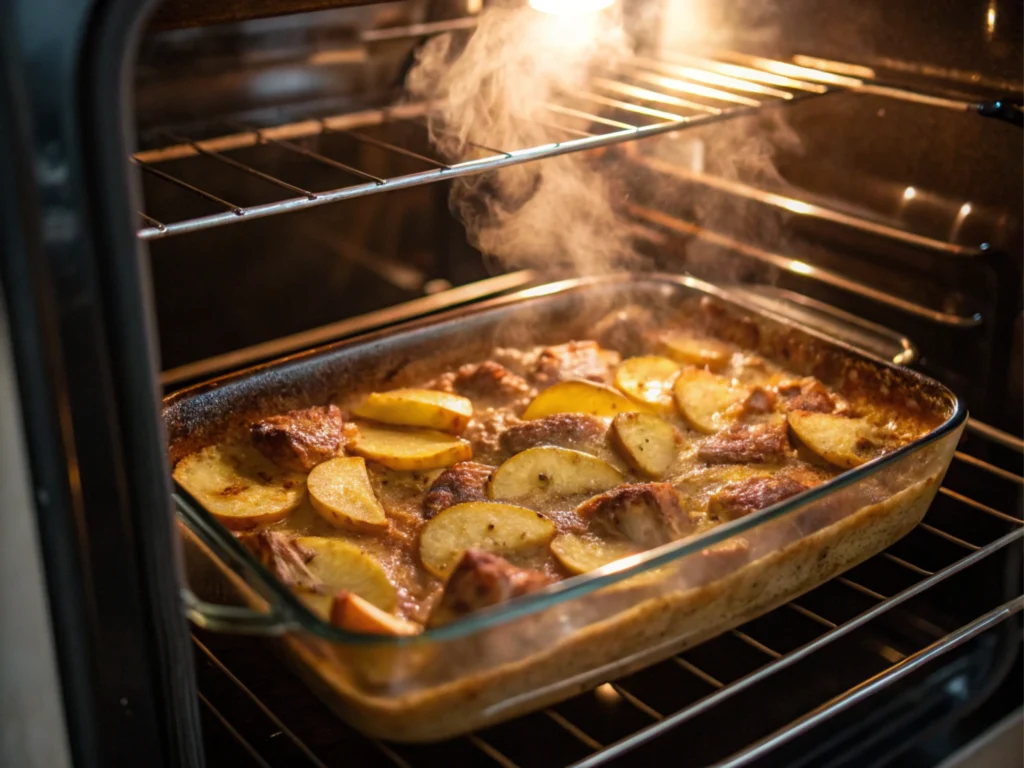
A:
[965,210]
[909,193]
[569,7]
[800,267]
[990,19]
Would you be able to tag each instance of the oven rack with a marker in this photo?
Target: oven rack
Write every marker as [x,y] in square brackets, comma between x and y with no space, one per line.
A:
[281,723]
[642,97]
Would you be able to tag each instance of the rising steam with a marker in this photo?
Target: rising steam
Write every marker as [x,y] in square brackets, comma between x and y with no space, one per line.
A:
[492,90]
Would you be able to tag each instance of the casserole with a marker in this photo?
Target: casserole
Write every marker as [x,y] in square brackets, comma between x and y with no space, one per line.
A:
[571,635]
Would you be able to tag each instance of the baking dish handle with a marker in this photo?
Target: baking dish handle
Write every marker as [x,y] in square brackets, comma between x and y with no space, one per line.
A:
[224,589]
[234,619]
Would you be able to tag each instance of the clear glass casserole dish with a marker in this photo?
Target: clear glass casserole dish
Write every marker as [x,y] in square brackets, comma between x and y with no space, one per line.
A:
[576,633]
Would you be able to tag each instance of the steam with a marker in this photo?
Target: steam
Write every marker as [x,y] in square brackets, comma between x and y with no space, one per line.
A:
[492,91]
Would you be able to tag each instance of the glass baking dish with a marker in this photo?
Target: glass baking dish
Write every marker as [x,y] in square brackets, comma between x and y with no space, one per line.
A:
[577,633]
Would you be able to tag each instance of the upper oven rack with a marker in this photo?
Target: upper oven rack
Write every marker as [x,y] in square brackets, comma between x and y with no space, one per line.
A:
[642,97]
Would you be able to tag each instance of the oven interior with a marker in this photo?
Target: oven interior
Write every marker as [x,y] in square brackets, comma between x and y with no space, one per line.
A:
[829,162]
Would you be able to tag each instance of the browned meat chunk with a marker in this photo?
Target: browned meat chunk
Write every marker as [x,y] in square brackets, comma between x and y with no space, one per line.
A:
[487,381]
[480,580]
[808,394]
[485,430]
[459,483]
[283,556]
[722,559]
[738,499]
[575,360]
[566,430]
[299,440]
[627,331]
[742,443]
[649,514]
[759,401]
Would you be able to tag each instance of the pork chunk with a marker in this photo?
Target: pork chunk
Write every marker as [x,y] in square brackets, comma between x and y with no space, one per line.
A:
[481,579]
[487,382]
[461,482]
[627,331]
[283,556]
[808,394]
[743,443]
[566,430]
[575,360]
[736,500]
[760,400]
[299,440]
[648,514]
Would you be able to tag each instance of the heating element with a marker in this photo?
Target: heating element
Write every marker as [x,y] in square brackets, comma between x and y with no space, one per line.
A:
[760,694]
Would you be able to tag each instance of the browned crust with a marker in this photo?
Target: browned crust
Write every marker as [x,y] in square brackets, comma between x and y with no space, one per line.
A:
[647,632]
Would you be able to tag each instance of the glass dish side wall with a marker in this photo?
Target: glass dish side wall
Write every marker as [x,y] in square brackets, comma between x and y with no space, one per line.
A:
[549,646]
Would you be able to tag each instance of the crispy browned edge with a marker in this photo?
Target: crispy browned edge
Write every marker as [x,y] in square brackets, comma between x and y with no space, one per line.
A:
[692,616]
[438,712]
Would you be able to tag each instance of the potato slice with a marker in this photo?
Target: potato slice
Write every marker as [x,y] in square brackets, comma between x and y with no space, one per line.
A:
[339,489]
[648,380]
[503,529]
[580,554]
[647,442]
[413,449]
[342,565]
[353,613]
[418,408]
[705,399]
[239,486]
[581,397]
[551,470]
[840,440]
[690,350]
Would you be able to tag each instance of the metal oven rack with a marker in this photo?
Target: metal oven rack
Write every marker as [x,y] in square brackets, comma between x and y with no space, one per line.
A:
[642,97]
[749,694]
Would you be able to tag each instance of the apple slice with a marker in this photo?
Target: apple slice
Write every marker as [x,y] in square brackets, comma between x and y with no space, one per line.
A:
[341,565]
[706,400]
[411,449]
[239,486]
[340,490]
[551,470]
[648,443]
[648,380]
[418,408]
[502,529]
[581,397]
[580,554]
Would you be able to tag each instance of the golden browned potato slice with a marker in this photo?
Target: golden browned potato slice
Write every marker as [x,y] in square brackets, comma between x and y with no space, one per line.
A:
[705,399]
[648,380]
[339,489]
[580,554]
[502,529]
[695,351]
[353,613]
[413,449]
[581,397]
[342,565]
[839,440]
[647,442]
[418,408]
[239,486]
[554,471]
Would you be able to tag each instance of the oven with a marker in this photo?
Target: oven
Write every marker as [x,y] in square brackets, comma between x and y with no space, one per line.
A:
[189,189]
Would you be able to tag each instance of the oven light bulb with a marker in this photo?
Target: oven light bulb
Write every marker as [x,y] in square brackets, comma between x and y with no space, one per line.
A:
[909,193]
[569,7]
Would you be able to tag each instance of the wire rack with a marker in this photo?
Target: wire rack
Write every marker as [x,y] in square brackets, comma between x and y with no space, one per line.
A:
[836,646]
[643,97]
